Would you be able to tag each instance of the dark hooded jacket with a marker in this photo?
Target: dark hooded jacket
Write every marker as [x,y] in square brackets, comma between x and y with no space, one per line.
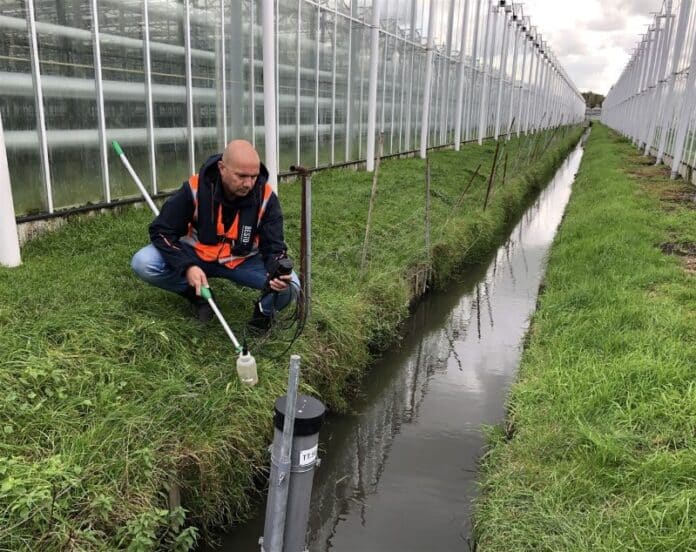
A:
[178,212]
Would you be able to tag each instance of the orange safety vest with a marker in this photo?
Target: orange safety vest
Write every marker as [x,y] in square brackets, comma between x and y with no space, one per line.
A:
[221,252]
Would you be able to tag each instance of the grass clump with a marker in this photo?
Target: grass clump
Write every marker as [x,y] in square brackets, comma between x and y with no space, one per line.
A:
[115,399]
[599,451]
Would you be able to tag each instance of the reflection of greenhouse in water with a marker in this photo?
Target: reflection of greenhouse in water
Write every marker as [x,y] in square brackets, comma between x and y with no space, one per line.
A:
[173,80]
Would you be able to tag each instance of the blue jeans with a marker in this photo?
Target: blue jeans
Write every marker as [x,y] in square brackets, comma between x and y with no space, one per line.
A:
[149,265]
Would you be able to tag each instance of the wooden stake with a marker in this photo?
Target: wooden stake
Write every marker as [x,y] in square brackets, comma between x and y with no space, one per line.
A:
[373,194]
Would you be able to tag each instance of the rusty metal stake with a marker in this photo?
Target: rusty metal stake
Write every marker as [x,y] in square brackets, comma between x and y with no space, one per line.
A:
[305,306]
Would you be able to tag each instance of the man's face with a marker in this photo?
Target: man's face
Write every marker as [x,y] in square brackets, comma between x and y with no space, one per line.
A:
[238,176]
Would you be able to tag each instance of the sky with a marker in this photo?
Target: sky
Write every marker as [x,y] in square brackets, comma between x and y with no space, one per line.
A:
[592,39]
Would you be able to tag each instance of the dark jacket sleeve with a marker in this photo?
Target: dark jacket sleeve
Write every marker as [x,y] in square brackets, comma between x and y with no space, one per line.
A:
[271,239]
[171,224]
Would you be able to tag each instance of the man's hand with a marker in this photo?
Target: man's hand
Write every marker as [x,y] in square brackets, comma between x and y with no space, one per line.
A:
[196,278]
[280,283]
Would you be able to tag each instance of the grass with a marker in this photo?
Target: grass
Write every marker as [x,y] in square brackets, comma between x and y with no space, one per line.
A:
[599,450]
[114,398]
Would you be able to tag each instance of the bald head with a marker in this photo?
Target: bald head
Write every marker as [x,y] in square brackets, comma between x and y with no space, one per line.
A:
[239,168]
[241,152]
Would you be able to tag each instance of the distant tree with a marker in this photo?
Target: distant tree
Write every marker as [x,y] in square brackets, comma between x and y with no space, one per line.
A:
[593,99]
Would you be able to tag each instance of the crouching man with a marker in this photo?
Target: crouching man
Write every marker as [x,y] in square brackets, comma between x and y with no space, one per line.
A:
[224,222]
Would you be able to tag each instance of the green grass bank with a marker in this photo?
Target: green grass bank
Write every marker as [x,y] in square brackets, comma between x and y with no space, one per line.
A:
[599,449]
[114,399]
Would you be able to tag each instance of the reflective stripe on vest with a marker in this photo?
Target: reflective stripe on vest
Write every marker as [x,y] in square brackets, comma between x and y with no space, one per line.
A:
[222,252]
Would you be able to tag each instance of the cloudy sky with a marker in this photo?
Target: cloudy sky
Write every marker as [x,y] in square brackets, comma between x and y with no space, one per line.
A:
[592,39]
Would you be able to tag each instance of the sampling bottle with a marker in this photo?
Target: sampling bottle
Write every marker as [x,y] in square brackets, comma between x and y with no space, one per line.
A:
[246,368]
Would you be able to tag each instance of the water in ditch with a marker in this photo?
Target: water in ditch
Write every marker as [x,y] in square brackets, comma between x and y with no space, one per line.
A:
[399,473]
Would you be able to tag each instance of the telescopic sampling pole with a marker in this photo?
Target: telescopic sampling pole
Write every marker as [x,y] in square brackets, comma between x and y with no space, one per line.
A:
[205,291]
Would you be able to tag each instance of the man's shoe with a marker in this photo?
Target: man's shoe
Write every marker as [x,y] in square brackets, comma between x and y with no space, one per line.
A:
[202,311]
[259,323]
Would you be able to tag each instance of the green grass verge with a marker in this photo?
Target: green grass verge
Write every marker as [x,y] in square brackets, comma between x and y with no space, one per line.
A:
[599,449]
[112,395]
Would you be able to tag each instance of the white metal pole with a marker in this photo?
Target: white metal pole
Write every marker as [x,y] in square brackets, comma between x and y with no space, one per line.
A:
[189,87]
[483,104]
[9,239]
[269,93]
[501,73]
[372,90]
[462,78]
[470,111]
[99,89]
[147,67]
[513,80]
[425,120]
[666,112]
[39,104]
[686,114]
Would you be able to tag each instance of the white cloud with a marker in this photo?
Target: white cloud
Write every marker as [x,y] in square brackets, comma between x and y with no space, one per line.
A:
[593,40]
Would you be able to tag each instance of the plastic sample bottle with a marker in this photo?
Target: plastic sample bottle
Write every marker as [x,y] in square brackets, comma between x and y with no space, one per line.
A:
[246,368]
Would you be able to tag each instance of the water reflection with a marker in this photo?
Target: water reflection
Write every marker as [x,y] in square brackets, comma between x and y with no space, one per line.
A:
[400,472]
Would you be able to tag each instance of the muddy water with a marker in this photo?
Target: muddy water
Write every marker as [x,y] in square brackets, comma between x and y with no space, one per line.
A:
[399,473]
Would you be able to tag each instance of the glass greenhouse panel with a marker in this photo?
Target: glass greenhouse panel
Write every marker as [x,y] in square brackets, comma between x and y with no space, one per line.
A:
[19,113]
[66,62]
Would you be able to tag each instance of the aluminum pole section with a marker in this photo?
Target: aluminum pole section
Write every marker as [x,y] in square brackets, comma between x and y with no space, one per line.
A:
[269,93]
[279,480]
[189,87]
[9,239]
[460,81]
[425,120]
[501,74]
[513,81]
[99,89]
[147,66]
[39,105]
[520,102]
[372,90]
[483,104]
[223,76]
[474,75]
[686,113]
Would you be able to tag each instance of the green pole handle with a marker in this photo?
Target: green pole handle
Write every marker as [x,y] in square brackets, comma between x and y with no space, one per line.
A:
[205,293]
[117,147]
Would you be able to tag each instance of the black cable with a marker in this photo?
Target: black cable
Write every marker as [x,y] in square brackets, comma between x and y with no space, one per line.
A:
[281,321]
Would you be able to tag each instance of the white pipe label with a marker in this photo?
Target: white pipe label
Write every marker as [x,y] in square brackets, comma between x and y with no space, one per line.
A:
[308,456]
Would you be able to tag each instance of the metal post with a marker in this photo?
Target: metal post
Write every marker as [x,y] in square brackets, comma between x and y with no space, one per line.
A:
[686,113]
[269,93]
[487,54]
[470,112]
[317,30]
[9,239]
[305,239]
[425,119]
[189,87]
[501,74]
[461,80]
[147,67]
[99,88]
[372,91]
[666,112]
[39,105]
[298,82]
[333,90]
[222,114]
[513,82]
